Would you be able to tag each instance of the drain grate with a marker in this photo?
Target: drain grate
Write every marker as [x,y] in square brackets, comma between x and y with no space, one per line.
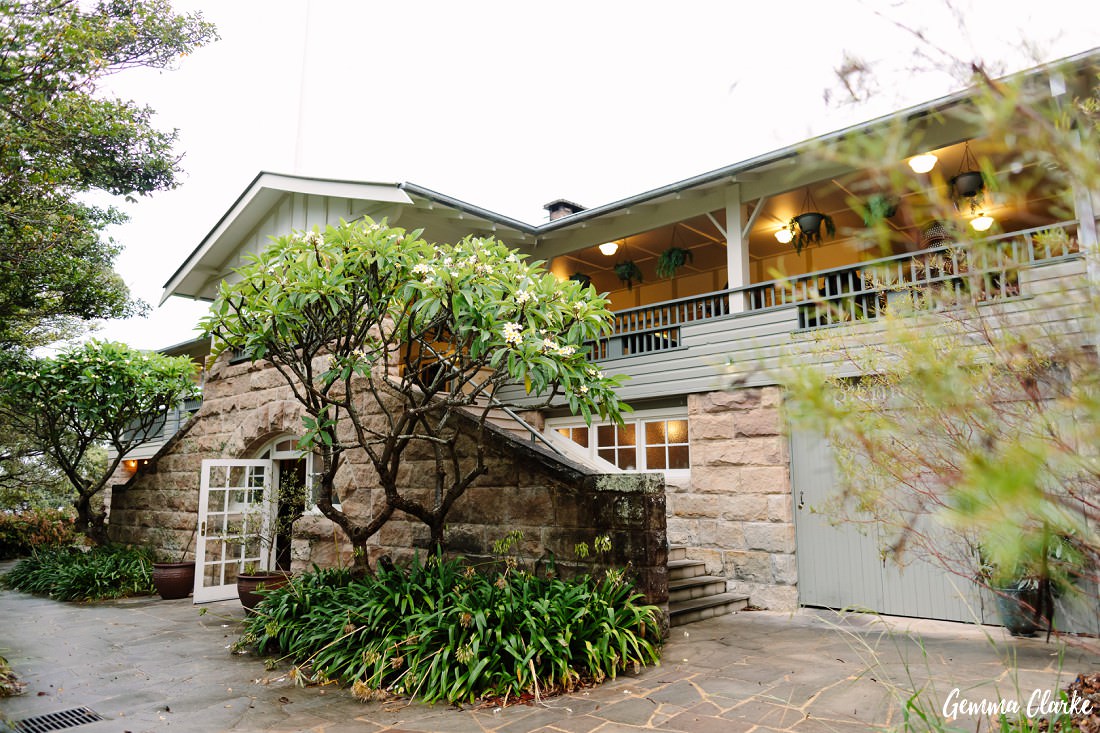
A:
[56,721]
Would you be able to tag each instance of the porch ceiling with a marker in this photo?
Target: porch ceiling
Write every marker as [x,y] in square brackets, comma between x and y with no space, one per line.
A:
[836,196]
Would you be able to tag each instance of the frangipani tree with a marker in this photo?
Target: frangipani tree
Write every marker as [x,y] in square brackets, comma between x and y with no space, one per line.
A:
[95,394]
[398,347]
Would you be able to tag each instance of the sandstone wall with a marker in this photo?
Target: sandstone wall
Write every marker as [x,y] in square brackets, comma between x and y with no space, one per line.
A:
[735,512]
[555,504]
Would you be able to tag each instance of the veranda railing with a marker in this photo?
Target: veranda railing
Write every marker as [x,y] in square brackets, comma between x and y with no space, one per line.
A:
[984,269]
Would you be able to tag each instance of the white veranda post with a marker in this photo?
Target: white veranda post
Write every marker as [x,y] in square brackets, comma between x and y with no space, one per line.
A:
[236,517]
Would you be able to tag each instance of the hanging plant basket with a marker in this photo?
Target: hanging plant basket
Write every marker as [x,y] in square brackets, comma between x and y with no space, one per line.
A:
[968,184]
[671,260]
[628,272]
[879,208]
[806,227]
[582,278]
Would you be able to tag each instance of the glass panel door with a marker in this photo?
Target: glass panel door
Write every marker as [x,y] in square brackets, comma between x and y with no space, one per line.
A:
[236,515]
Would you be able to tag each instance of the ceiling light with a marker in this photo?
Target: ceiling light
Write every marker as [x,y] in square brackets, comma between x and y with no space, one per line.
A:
[609,248]
[784,235]
[922,163]
[981,222]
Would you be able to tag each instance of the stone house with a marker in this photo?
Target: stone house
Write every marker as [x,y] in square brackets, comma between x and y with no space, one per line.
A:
[738,489]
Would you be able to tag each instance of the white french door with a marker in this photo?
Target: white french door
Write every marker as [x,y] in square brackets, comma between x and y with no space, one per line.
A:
[236,517]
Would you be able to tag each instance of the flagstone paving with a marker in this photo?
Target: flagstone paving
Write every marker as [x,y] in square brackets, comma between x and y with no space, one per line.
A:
[152,665]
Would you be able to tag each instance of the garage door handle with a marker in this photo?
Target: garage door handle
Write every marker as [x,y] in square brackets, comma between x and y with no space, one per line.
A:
[801,499]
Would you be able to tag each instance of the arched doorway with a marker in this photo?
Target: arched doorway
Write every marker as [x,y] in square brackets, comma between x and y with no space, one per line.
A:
[292,475]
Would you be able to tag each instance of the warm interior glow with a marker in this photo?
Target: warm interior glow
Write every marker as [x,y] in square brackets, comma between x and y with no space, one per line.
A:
[131,465]
[609,248]
[981,222]
[922,163]
[784,235]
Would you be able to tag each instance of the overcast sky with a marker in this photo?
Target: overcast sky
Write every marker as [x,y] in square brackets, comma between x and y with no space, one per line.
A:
[508,105]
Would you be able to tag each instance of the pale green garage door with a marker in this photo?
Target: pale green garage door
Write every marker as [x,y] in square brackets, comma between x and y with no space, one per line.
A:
[842,567]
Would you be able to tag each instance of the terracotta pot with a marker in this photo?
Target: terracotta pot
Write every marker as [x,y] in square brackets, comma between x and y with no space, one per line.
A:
[174,579]
[247,585]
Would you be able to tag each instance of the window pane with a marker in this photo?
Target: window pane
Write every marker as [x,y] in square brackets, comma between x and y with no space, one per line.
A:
[678,457]
[608,454]
[655,433]
[655,457]
[625,435]
[628,459]
[580,436]
[605,435]
[677,431]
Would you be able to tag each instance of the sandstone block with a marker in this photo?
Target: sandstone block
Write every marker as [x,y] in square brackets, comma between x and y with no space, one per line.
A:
[722,535]
[742,507]
[780,508]
[769,536]
[755,567]
[745,451]
[711,427]
[785,569]
[725,401]
[763,421]
[693,506]
[771,597]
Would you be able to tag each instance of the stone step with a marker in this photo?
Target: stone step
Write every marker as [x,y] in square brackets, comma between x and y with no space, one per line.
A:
[697,609]
[701,585]
[679,569]
[677,552]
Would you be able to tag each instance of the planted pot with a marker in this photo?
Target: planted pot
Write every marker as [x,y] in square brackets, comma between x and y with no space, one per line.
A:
[249,583]
[1016,607]
[174,579]
[968,184]
[810,222]
[806,228]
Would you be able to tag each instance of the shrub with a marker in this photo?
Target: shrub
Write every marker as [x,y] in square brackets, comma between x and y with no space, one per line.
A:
[9,683]
[442,631]
[75,574]
[23,531]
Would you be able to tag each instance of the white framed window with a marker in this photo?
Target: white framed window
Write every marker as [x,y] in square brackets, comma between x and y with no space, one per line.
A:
[649,440]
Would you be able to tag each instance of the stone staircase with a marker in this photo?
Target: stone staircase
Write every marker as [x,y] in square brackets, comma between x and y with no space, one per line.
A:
[692,594]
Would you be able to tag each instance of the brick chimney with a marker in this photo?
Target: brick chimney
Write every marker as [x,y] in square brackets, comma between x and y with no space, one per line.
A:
[561,207]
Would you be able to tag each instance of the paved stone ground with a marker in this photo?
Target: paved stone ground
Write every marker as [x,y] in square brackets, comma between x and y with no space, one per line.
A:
[152,665]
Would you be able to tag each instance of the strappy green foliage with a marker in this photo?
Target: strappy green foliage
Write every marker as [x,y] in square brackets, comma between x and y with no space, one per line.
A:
[442,631]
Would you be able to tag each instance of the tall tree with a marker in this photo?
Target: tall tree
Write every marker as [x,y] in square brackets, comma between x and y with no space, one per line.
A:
[396,348]
[95,394]
[60,138]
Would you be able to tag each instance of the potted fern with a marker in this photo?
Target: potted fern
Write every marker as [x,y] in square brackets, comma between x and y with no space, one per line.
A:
[671,260]
[628,272]
[878,208]
[806,228]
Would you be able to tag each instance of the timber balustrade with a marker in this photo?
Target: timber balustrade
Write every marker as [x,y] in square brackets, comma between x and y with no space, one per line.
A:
[985,269]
